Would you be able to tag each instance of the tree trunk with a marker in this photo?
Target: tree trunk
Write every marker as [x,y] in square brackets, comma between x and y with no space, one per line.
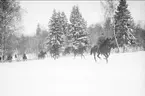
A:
[2,46]
[115,37]
[116,41]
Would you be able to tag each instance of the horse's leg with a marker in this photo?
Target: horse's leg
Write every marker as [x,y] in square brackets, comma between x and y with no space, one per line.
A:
[83,56]
[74,55]
[99,56]
[95,56]
[106,57]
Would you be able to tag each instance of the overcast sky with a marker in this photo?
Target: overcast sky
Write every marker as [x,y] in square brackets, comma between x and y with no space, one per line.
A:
[41,11]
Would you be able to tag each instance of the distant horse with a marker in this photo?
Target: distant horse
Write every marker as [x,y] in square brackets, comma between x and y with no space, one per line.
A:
[24,57]
[55,55]
[103,49]
[41,54]
[2,58]
[9,58]
[67,50]
[79,51]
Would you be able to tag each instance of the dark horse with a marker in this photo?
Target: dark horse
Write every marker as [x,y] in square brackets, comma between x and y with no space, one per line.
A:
[41,55]
[103,49]
[79,51]
[24,57]
[67,50]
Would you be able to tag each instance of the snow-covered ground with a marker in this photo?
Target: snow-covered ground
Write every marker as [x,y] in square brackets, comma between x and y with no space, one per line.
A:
[124,75]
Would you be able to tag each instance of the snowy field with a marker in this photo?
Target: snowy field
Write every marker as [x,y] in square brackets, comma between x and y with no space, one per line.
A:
[124,75]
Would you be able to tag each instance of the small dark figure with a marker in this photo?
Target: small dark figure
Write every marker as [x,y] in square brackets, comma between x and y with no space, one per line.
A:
[24,57]
[0,58]
[15,56]
[9,58]
[3,57]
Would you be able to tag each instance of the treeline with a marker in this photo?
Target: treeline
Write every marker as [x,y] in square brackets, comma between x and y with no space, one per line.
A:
[70,35]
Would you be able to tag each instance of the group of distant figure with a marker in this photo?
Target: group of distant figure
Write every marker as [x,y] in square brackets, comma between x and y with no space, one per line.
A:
[104,48]
[100,49]
[10,57]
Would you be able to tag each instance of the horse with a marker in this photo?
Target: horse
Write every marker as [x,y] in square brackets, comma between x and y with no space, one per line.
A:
[24,57]
[103,49]
[41,54]
[67,50]
[79,51]
[9,58]
[55,55]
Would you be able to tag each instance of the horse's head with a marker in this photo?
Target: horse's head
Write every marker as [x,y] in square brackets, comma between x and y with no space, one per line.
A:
[112,43]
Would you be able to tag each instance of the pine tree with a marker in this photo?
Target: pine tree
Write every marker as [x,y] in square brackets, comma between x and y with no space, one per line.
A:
[123,21]
[78,29]
[38,30]
[54,39]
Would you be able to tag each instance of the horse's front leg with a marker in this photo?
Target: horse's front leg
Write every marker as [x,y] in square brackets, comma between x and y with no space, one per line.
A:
[95,57]
[82,55]
[74,55]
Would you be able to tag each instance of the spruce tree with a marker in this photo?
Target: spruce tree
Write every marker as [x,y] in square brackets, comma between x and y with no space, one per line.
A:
[54,39]
[64,23]
[123,21]
[64,28]
[78,29]
[38,30]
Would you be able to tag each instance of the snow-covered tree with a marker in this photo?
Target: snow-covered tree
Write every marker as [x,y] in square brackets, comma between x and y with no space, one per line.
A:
[55,37]
[109,7]
[64,28]
[95,31]
[10,17]
[108,28]
[123,22]
[64,23]
[78,29]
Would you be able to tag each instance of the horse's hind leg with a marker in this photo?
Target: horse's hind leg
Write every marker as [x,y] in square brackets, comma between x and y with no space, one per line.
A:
[106,57]
[99,56]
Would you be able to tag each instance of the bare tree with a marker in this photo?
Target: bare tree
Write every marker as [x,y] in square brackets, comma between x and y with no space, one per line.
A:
[109,7]
[10,16]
